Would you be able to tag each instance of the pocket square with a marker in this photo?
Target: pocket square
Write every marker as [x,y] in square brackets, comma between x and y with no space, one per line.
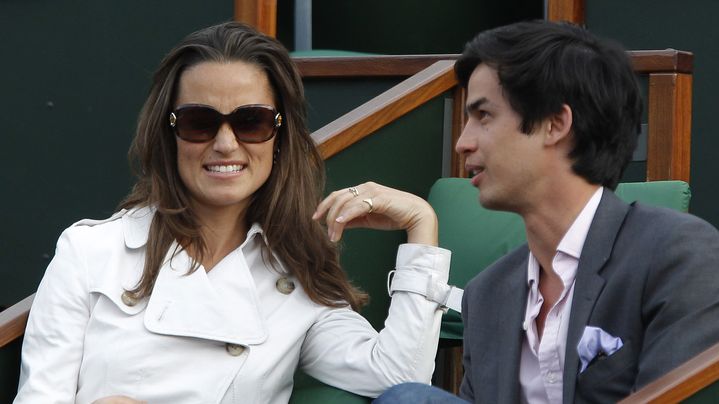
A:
[595,343]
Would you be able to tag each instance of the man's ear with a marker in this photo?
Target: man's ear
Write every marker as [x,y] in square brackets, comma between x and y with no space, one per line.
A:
[558,126]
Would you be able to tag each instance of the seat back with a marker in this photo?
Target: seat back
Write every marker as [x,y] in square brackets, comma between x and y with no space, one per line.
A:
[308,390]
[478,236]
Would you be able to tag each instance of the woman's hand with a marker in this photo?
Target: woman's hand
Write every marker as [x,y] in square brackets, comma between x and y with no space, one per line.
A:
[375,206]
[118,400]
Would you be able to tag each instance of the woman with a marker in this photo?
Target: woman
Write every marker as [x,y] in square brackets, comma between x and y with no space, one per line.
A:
[215,281]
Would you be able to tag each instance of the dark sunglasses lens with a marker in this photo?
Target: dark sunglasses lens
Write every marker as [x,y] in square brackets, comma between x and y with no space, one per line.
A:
[253,124]
[197,124]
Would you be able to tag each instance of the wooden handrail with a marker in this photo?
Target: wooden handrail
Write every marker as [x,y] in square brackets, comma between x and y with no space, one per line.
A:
[662,61]
[680,383]
[670,88]
[644,62]
[385,108]
[14,319]
[366,66]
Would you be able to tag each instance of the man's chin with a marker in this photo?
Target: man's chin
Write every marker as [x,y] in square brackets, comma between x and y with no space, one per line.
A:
[492,202]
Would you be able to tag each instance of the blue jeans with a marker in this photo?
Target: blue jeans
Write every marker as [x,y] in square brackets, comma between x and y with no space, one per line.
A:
[417,393]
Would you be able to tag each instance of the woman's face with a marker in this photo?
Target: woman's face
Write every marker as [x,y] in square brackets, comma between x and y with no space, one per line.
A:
[224,173]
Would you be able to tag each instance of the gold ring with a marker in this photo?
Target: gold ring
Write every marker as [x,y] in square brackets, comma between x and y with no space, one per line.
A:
[368,201]
[354,191]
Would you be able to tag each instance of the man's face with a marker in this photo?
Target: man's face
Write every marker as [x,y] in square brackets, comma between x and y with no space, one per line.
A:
[505,164]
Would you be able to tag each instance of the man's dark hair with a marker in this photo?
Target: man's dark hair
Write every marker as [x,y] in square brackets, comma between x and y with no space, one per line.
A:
[542,65]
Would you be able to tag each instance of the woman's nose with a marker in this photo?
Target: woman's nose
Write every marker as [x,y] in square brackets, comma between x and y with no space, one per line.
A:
[225,140]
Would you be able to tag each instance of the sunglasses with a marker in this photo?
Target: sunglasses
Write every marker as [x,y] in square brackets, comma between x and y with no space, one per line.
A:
[254,123]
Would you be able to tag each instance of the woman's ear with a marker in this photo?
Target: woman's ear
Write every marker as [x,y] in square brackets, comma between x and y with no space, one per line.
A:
[558,126]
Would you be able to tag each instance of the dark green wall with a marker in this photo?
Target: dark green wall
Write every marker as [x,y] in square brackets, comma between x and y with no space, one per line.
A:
[73,77]
[685,25]
[411,26]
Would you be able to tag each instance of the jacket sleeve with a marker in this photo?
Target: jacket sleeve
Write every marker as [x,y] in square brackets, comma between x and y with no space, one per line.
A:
[53,343]
[342,349]
[680,304]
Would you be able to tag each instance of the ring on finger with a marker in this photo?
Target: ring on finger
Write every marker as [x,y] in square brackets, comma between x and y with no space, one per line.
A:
[354,191]
[368,201]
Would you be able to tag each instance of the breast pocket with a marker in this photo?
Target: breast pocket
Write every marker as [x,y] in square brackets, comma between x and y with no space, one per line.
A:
[608,378]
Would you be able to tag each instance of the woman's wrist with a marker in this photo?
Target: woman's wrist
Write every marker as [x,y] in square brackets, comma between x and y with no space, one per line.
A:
[424,230]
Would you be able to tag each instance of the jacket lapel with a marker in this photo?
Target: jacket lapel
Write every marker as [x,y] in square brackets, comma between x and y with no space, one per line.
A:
[185,304]
[512,297]
[588,284]
[189,305]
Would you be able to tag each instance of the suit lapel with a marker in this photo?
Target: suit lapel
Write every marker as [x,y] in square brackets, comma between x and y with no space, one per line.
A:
[588,284]
[513,300]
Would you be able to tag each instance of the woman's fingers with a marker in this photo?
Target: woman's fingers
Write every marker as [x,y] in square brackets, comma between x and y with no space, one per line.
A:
[378,207]
[334,207]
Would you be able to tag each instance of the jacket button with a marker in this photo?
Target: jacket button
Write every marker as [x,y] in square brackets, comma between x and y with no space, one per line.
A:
[128,299]
[285,286]
[234,349]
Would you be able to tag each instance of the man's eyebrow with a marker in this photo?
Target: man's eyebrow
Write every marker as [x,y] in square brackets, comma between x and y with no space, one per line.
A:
[474,105]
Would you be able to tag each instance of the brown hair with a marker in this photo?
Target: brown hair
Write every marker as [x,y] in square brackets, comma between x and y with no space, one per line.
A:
[283,206]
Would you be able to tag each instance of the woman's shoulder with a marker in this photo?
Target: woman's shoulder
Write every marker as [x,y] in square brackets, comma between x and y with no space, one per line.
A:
[130,226]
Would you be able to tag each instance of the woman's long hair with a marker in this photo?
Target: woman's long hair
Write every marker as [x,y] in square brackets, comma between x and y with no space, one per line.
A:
[283,206]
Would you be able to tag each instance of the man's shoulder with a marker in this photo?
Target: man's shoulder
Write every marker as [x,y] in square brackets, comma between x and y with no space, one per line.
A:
[652,219]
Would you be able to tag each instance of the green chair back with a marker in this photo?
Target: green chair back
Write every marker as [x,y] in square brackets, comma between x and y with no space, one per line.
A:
[477,236]
[308,390]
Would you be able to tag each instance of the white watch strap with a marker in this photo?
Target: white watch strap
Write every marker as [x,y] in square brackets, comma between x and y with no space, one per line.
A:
[432,289]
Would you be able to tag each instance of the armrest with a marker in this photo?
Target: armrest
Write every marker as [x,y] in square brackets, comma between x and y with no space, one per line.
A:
[682,382]
[14,319]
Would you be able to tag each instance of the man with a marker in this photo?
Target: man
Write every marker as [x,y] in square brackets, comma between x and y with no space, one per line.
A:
[605,297]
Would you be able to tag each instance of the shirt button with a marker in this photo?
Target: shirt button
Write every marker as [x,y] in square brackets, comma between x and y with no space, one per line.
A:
[128,299]
[285,286]
[234,349]
[551,378]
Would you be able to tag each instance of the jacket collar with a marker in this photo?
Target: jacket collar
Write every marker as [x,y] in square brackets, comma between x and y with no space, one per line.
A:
[136,227]
[190,305]
[597,249]
[187,304]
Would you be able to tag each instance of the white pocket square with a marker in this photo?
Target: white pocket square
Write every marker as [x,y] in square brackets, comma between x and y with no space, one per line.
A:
[595,343]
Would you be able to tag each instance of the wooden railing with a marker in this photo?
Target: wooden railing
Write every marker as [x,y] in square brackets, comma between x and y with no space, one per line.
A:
[14,319]
[385,108]
[679,384]
[366,66]
[669,102]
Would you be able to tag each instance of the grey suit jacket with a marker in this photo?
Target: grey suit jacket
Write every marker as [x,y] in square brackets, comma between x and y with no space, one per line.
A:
[646,275]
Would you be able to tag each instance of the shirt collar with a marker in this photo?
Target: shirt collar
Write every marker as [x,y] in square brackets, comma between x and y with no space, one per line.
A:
[573,241]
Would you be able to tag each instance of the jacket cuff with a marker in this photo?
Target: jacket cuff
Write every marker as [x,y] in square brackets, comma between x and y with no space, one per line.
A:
[424,270]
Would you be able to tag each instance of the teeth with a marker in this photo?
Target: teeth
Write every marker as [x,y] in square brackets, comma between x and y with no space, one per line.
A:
[226,169]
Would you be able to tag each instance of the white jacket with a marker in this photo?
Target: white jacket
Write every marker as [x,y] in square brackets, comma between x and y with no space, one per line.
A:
[227,336]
